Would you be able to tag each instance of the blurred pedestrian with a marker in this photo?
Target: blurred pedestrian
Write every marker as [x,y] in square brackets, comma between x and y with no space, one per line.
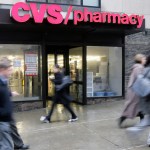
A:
[9,136]
[144,105]
[61,96]
[131,108]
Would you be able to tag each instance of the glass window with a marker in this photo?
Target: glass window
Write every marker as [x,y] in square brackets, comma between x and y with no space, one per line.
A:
[9,2]
[26,76]
[91,3]
[71,2]
[42,1]
[104,71]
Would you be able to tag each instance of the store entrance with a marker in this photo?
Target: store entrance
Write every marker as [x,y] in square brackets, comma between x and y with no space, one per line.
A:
[70,60]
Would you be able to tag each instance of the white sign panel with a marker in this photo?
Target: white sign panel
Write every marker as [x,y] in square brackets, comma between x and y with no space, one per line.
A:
[31,64]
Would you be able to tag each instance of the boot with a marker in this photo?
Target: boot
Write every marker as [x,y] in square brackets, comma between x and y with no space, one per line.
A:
[121,120]
[141,115]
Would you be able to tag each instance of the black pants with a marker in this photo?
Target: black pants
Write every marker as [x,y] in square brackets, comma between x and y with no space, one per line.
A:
[15,135]
[63,98]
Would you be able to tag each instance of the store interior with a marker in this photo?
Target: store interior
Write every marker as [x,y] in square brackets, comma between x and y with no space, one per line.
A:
[19,81]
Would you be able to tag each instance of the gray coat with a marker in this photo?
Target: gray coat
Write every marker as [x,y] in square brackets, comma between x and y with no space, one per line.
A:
[145,102]
[131,108]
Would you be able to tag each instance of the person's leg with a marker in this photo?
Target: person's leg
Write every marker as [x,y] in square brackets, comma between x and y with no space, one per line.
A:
[18,142]
[74,117]
[6,141]
[48,117]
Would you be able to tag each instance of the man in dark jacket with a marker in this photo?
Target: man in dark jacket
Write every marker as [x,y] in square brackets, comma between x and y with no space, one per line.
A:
[9,136]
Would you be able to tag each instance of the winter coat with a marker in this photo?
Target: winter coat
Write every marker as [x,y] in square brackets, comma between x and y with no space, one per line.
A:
[61,96]
[6,107]
[131,108]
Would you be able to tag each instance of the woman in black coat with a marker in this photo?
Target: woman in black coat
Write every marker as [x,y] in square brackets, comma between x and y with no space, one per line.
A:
[61,96]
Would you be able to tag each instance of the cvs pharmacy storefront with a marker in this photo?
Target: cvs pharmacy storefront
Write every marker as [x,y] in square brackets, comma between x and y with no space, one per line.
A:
[88,44]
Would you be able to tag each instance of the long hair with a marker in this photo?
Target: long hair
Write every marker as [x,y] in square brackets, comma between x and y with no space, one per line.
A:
[147,61]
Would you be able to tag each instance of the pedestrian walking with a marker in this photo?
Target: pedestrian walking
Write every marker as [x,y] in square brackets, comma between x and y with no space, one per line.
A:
[61,96]
[9,136]
[131,108]
[144,105]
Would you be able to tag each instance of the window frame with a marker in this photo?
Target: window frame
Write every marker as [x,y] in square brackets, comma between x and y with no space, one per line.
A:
[80,5]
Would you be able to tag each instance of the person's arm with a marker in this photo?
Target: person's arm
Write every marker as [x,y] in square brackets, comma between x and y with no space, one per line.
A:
[58,78]
[4,108]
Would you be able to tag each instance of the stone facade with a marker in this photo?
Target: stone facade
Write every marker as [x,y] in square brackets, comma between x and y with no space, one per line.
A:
[134,44]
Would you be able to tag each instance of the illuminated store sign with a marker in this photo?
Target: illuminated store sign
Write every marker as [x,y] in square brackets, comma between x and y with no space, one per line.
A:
[53,14]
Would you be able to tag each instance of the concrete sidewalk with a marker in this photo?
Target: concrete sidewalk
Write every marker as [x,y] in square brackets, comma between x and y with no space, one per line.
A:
[96,129]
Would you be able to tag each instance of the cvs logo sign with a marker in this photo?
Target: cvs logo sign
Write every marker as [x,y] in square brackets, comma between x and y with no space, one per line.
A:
[52,11]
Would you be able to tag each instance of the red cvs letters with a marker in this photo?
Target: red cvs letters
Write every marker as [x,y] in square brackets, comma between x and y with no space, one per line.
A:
[23,12]
[51,12]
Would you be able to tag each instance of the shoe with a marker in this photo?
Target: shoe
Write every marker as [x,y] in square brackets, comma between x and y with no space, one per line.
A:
[135,129]
[44,119]
[24,146]
[148,140]
[144,122]
[121,120]
[73,119]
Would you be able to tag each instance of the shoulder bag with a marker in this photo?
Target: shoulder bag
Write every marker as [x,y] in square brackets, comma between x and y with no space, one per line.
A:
[142,85]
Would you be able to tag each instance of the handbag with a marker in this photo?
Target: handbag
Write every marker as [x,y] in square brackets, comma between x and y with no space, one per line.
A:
[142,85]
[66,81]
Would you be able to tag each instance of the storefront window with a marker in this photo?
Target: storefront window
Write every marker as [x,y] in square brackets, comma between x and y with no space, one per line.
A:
[94,3]
[104,71]
[26,76]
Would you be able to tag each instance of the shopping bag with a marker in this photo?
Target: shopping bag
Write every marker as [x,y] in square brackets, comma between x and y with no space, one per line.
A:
[141,86]
[67,81]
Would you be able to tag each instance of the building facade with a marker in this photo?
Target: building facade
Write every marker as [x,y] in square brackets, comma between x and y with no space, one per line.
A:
[93,40]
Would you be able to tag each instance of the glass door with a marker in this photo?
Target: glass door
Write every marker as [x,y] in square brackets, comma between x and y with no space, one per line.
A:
[76,73]
[69,59]
[53,59]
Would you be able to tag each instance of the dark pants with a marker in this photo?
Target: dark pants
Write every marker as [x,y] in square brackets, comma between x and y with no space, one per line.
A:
[6,141]
[64,98]
[15,135]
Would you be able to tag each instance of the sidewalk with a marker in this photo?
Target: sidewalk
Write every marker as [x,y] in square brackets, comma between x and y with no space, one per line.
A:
[96,129]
